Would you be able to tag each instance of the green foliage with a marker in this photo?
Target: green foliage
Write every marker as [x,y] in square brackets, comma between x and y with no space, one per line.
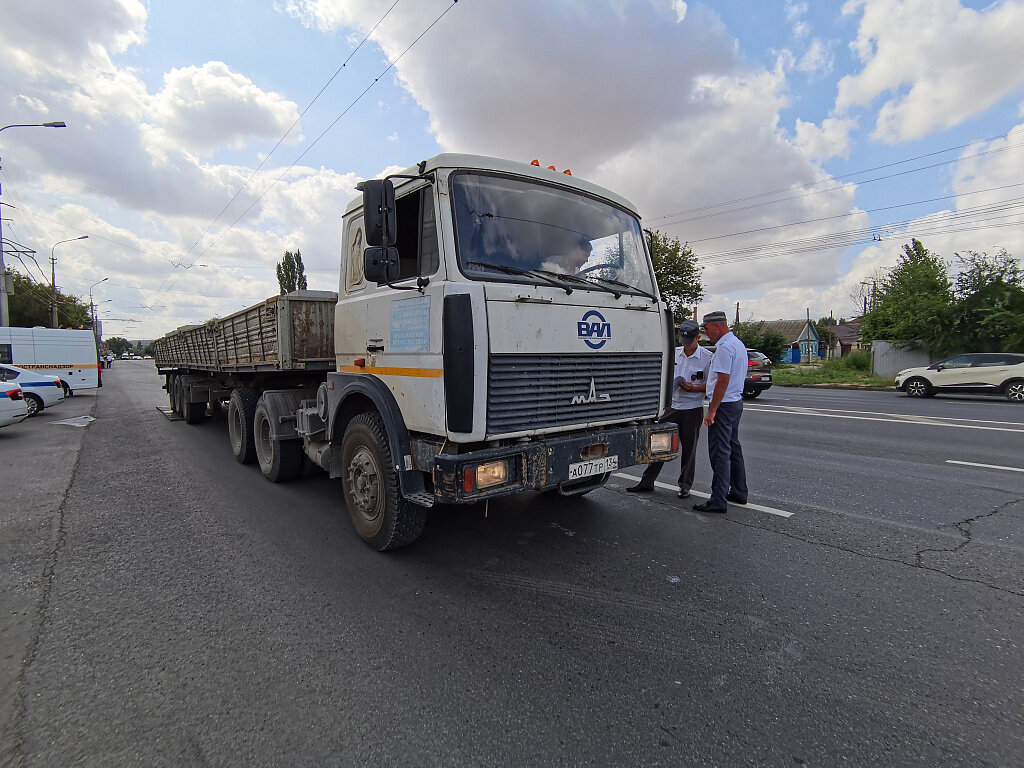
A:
[982,310]
[117,345]
[677,271]
[911,306]
[765,340]
[291,274]
[30,306]
[860,360]
[988,314]
[826,338]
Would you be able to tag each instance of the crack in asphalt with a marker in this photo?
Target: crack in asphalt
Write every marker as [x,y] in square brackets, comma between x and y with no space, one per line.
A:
[963,527]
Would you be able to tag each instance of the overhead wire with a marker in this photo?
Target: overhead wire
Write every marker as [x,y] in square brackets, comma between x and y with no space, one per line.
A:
[390,66]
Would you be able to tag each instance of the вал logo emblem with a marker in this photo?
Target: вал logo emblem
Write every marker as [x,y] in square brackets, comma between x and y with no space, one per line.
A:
[594,329]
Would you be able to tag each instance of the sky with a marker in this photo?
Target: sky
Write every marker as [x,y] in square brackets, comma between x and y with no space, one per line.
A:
[795,146]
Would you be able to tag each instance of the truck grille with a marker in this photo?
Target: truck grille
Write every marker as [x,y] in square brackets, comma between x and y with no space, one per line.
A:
[530,392]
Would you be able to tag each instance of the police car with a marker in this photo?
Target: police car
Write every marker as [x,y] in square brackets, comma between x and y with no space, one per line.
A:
[39,390]
[12,404]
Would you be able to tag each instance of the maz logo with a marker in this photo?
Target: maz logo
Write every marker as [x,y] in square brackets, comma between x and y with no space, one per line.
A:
[593,397]
[594,326]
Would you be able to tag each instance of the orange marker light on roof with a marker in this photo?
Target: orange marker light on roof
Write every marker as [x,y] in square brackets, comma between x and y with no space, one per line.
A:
[552,168]
[535,162]
[567,172]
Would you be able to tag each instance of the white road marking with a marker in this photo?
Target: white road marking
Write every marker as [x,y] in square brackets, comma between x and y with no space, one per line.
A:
[985,466]
[673,488]
[932,421]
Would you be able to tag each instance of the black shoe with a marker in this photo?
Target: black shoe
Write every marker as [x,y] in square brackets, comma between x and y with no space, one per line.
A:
[640,488]
[734,498]
[706,507]
[683,494]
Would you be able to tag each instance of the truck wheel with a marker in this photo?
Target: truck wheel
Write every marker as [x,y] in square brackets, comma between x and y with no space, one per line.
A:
[382,518]
[179,396]
[279,460]
[193,413]
[241,410]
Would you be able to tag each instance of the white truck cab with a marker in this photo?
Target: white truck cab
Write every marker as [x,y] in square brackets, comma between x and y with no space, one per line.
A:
[513,315]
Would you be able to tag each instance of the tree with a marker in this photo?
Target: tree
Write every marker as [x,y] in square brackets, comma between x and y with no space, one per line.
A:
[30,306]
[118,345]
[912,304]
[826,337]
[291,274]
[677,271]
[765,340]
[989,303]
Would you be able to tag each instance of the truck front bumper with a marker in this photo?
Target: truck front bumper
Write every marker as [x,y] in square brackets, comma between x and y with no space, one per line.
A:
[567,462]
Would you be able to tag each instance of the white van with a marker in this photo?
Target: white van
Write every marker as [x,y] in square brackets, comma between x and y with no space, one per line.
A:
[71,355]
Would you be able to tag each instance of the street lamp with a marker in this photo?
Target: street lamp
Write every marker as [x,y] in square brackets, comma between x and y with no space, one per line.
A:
[92,307]
[4,315]
[53,277]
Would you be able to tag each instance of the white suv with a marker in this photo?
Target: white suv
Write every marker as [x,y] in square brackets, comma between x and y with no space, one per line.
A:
[985,372]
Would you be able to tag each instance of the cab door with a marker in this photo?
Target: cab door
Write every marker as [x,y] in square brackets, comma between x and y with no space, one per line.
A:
[396,329]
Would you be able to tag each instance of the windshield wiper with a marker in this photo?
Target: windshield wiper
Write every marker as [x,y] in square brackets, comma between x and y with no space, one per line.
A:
[524,272]
[581,281]
[621,284]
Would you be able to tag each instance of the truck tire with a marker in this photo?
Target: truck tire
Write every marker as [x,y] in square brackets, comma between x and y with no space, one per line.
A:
[171,378]
[241,410]
[279,460]
[179,396]
[382,518]
[192,413]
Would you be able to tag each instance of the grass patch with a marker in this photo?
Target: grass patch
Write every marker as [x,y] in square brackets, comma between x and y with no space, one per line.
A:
[852,369]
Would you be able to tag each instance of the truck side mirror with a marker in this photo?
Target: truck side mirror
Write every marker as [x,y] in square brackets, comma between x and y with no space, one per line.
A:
[380,265]
[379,213]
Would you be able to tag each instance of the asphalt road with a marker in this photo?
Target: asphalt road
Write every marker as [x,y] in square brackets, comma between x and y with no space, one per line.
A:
[167,606]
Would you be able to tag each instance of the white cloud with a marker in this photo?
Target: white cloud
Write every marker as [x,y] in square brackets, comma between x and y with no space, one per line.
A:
[817,59]
[830,139]
[202,109]
[936,62]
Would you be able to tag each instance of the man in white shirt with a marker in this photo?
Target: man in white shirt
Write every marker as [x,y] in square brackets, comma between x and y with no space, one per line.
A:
[725,388]
[687,411]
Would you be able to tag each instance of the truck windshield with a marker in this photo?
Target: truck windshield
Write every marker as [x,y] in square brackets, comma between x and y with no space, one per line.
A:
[529,227]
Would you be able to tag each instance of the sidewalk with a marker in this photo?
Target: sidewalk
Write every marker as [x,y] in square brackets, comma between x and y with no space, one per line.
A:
[38,457]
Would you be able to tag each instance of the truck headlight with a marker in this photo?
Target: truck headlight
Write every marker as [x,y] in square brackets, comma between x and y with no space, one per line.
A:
[481,476]
[663,442]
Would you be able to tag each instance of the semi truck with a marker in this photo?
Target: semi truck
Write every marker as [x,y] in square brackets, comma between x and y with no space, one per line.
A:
[497,329]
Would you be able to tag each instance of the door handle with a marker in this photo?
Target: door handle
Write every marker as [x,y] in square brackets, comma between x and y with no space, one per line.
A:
[371,348]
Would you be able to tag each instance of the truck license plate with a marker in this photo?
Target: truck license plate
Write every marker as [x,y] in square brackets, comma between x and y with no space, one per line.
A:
[594,467]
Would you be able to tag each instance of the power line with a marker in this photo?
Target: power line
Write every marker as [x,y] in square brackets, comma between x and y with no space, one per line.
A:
[322,134]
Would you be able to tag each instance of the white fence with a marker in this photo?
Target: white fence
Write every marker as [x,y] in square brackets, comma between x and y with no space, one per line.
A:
[888,360]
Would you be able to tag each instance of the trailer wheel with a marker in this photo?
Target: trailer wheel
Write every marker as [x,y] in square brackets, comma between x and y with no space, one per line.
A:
[382,518]
[241,410]
[179,396]
[192,413]
[171,378]
[280,460]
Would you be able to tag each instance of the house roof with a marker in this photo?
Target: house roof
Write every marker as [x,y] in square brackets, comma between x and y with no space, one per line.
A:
[846,333]
[792,330]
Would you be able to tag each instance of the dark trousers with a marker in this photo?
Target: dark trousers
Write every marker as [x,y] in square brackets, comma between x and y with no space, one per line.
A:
[726,454]
[689,422]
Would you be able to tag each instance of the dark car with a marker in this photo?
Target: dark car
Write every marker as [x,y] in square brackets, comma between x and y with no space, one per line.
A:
[759,374]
